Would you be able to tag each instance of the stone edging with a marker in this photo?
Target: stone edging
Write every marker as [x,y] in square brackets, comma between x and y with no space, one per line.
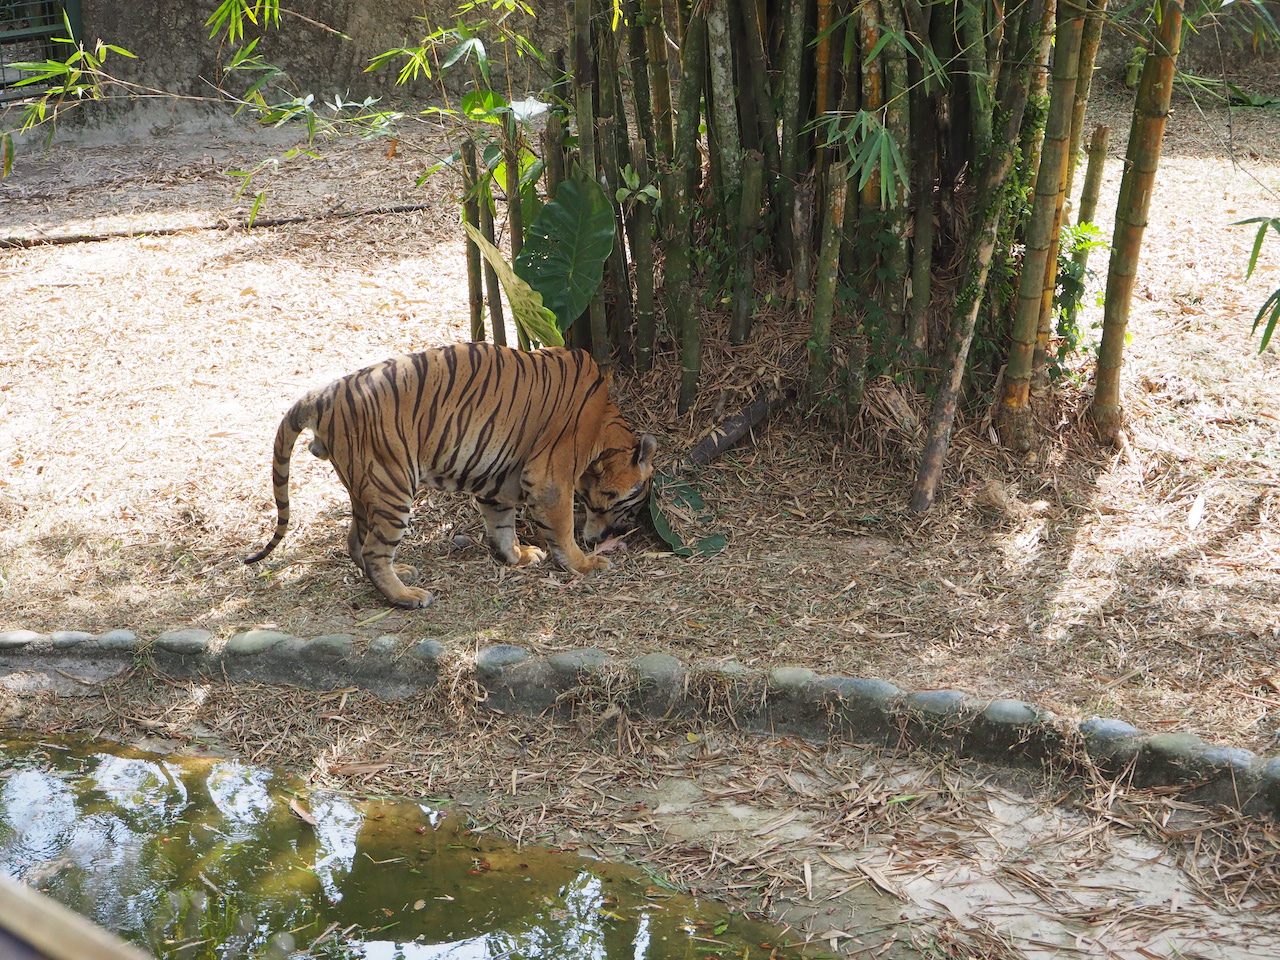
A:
[782,700]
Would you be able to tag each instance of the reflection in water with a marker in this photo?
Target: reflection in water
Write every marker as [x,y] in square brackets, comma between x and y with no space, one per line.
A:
[197,859]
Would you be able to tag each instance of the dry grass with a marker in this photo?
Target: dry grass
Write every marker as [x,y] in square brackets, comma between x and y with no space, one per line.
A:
[141,381]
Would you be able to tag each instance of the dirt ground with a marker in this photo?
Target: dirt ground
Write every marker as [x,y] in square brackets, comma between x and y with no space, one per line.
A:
[142,379]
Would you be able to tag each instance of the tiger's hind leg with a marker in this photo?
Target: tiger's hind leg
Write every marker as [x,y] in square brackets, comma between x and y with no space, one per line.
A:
[384,528]
[500,532]
[355,546]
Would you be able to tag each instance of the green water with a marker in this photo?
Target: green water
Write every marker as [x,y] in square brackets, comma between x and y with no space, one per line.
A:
[202,857]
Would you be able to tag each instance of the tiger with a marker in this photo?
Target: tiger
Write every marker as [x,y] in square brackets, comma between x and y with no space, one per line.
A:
[511,427]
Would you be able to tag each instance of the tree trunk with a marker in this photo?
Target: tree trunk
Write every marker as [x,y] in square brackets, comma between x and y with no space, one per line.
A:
[471,215]
[683,311]
[1037,262]
[639,56]
[972,32]
[822,69]
[756,64]
[978,250]
[1150,111]
[824,292]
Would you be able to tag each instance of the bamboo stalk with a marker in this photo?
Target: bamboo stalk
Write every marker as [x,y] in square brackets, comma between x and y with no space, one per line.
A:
[970,19]
[515,213]
[471,215]
[1038,261]
[756,65]
[1092,186]
[637,47]
[584,93]
[822,69]
[1033,126]
[553,153]
[792,121]
[1090,41]
[748,226]
[617,281]
[659,83]
[640,221]
[898,123]
[925,148]
[678,285]
[872,87]
[493,290]
[1142,158]
[979,246]
[824,293]
[722,103]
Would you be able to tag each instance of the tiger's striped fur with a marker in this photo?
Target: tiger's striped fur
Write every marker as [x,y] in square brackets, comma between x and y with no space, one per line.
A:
[511,427]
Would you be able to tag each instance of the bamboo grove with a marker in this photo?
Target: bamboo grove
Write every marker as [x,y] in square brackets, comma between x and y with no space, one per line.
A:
[905,167]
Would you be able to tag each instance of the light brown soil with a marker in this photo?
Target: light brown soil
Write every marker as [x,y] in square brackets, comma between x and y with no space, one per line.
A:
[141,381]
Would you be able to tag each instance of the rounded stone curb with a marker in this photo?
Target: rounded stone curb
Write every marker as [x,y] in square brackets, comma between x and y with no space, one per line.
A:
[788,699]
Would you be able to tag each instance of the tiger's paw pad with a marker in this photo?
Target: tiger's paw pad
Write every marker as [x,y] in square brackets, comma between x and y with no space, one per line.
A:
[530,556]
[415,598]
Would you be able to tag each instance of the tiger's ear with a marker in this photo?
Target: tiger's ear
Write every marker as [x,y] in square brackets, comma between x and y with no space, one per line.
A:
[645,450]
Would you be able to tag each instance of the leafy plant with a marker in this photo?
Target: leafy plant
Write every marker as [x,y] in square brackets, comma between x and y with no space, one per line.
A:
[684,499]
[537,322]
[1073,275]
[566,248]
[1268,317]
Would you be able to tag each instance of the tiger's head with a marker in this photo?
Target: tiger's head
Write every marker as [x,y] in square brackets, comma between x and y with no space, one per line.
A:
[614,488]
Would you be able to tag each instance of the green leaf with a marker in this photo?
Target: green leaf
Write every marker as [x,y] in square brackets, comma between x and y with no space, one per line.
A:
[567,245]
[485,106]
[538,323]
[257,205]
[683,493]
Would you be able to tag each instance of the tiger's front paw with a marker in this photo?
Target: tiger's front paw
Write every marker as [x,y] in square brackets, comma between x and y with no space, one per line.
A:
[413,598]
[591,564]
[529,556]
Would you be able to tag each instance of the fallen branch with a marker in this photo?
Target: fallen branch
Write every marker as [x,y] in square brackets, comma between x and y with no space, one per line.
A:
[239,224]
[733,428]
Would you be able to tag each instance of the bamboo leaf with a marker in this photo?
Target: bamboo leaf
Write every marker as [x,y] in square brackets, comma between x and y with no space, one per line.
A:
[538,323]
[567,245]
[257,205]
[685,499]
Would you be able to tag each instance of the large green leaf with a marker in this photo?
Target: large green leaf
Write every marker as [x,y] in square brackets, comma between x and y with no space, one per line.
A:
[683,499]
[538,323]
[566,247]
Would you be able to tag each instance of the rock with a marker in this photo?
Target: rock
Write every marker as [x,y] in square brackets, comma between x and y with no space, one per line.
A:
[791,680]
[15,639]
[116,640]
[490,661]
[382,647]
[62,639]
[574,663]
[331,646]
[658,668]
[189,641]
[250,643]
[428,651]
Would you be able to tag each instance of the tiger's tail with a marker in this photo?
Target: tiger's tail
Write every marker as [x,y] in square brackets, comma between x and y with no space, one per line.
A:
[301,416]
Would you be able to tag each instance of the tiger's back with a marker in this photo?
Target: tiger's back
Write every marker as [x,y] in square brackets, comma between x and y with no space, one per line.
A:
[510,427]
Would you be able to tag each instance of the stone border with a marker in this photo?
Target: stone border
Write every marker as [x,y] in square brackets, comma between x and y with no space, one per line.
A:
[785,699]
